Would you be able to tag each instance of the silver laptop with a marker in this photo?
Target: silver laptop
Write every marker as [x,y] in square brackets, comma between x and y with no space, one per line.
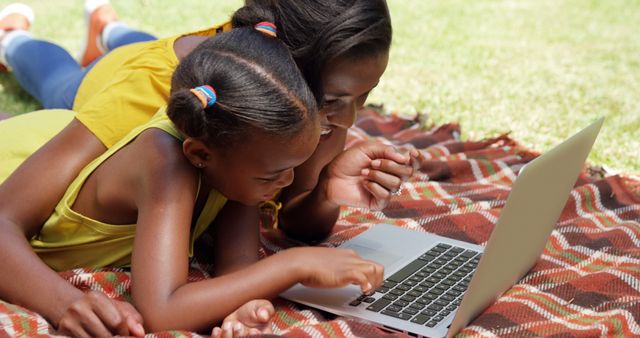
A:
[434,286]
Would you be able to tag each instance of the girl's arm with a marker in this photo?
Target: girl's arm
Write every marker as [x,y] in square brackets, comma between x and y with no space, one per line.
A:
[235,238]
[160,266]
[27,198]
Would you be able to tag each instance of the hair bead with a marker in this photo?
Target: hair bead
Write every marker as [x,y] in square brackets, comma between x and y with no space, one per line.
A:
[267,27]
[206,94]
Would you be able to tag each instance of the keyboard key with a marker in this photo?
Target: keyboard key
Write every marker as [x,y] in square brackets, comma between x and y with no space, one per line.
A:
[400,315]
[400,303]
[396,292]
[454,293]
[407,271]
[389,296]
[434,307]
[427,285]
[432,323]
[382,289]
[422,274]
[435,291]
[414,279]
[393,308]
[410,282]
[427,257]
[429,313]
[448,282]
[460,288]
[437,249]
[417,306]
[410,311]
[420,288]
[378,305]
[447,297]
[389,284]
[442,302]
[428,269]
[408,298]
[369,300]
[403,287]
[414,293]
[355,303]
[420,319]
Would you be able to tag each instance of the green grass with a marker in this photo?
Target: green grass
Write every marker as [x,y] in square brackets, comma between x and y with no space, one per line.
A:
[539,68]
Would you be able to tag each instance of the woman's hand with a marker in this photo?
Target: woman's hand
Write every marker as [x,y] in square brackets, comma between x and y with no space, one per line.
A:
[367,174]
[252,318]
[96,315]
[334,268]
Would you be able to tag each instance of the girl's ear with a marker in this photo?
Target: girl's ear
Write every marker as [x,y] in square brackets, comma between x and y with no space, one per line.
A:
[197,152]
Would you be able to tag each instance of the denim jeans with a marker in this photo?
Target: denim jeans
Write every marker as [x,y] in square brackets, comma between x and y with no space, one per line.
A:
[49,73]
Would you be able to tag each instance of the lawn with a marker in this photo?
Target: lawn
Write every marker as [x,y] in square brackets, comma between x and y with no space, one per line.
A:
[539,68]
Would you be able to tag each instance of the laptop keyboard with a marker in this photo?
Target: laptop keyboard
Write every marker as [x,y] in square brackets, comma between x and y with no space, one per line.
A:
[426,290]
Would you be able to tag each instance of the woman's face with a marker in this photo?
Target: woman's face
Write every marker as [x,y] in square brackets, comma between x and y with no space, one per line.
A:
[346,83]
[256,168]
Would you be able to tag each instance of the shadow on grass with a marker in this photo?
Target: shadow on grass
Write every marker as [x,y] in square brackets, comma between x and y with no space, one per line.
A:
[13,99]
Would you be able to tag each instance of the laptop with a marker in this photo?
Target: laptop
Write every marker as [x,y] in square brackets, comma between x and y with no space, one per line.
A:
[434,286]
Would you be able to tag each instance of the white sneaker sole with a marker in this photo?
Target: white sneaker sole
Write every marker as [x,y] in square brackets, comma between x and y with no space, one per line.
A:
[18,8]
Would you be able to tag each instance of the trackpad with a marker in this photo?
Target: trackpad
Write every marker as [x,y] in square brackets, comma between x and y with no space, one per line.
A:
[379,256]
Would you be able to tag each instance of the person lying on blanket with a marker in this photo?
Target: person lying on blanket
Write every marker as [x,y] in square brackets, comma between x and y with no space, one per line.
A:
[240,118]
[341,47]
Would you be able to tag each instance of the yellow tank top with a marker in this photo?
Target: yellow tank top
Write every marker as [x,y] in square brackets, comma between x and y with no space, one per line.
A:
[127,86]
[22,135]
[70,240]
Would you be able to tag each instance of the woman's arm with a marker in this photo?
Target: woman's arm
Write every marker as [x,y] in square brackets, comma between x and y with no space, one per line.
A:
[27,199]
[362,176]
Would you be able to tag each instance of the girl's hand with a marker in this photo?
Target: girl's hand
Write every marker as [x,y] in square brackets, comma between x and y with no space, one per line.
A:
[367,174]
[335,268]
[96,315]
[252,318]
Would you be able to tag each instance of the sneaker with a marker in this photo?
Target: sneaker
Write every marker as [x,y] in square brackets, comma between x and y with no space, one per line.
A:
[16,16]
[97,14]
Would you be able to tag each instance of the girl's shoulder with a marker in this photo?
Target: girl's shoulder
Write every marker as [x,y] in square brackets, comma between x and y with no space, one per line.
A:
[161,155]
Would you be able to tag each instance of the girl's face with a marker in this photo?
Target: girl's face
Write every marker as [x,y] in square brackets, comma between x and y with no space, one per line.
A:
[255,169]
[346,84]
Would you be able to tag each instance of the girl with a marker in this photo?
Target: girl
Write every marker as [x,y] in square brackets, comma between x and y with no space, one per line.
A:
[342,49]
[240,118]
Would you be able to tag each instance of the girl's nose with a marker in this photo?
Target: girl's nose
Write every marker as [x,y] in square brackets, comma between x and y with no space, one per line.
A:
[285,179]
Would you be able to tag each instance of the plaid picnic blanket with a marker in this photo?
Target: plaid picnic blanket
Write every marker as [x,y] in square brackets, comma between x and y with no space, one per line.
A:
[586,283]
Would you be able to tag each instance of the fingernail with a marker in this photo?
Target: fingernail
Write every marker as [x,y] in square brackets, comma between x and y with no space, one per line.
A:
[226,326]
[237,327]
[263,314]
[376,163]
[365,172]
[367,287]
[140,328]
